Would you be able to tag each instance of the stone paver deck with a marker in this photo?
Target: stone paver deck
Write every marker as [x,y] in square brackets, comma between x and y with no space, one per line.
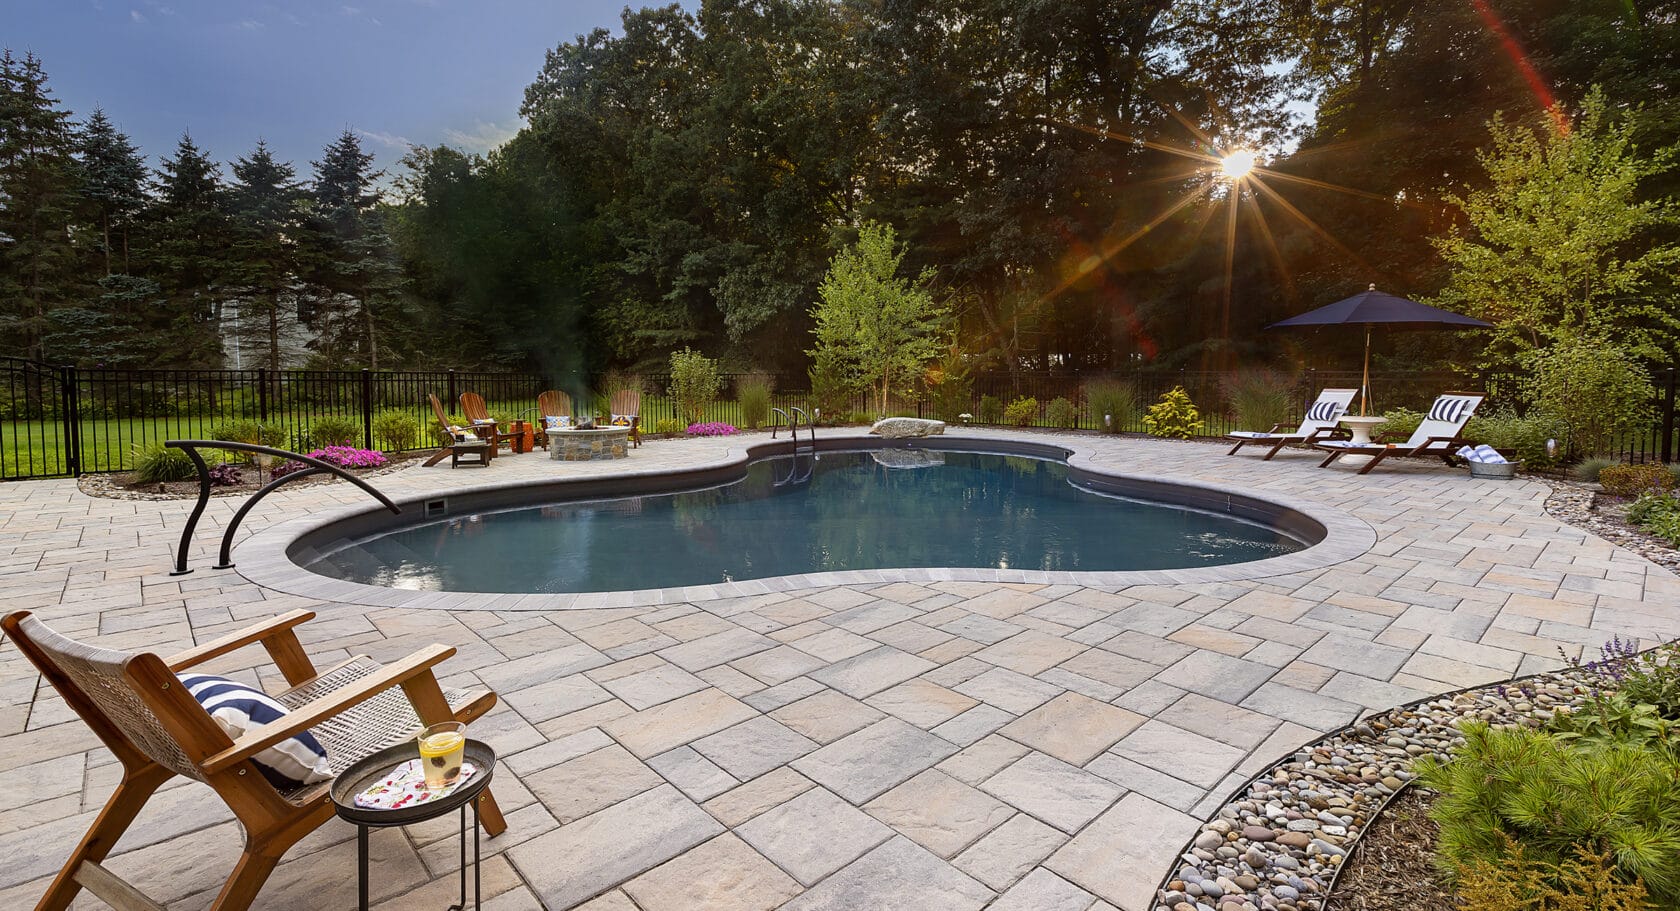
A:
[937,745]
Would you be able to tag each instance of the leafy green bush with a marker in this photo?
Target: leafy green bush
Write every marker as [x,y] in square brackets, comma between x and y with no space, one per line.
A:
[1516,436]
[753,392]
[155,463]
[1260,399]
[1585,882]
[950,393]
[334,430]
[1595,387]
[1588,469]
[1175,416]
[1658,514]
[669,425]
[1636,480]
[395,430]
[1552,796]
[1402,422]
[1021,412]
[1114,404]
[991,409]
[694,383]
[250,430]
[1061,413]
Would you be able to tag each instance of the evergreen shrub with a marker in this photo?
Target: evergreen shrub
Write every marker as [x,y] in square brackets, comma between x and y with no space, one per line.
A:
[1174,416]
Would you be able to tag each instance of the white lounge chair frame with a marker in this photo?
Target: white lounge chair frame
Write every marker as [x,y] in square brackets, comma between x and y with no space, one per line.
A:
[1440,434]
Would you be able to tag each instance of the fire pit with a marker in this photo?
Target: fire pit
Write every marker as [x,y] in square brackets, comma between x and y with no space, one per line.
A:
[598,444]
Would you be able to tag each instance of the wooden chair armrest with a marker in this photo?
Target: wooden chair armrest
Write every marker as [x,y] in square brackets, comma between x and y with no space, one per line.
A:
[1277,427]
[260,632]
[311,713]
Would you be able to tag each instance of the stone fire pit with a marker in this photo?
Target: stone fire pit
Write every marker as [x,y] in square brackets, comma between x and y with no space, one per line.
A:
[599,444]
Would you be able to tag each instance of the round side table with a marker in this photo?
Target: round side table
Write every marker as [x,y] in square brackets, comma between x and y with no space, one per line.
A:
[368,772]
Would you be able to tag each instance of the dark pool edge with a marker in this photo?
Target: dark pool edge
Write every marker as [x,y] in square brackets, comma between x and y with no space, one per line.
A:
[269,558]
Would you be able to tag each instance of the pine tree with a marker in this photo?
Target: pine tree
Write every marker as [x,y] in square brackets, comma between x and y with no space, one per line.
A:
[37,258]
[353,274]
[113,182]
[188,254]
[262,257]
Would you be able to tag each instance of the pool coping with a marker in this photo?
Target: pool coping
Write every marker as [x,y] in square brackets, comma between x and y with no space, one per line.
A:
[266,558]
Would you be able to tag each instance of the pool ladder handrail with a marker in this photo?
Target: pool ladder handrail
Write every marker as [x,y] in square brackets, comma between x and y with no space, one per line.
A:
[792,421]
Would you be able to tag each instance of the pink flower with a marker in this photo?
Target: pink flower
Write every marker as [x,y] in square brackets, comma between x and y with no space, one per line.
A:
[711,429]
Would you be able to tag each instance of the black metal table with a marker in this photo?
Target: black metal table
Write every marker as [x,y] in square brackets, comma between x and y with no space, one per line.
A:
[368,772]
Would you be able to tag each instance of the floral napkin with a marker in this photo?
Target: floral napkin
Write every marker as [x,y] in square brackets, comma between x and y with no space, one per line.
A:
[405,786]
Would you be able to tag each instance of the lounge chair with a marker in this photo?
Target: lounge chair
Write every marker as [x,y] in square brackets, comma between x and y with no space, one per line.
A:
[1440,434]
[1319,424]
[625,409]
[551,403]
[483,425]
[157,729]
[459,441]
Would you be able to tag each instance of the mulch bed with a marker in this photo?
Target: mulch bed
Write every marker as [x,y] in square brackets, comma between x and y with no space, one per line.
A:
[1393,868]
[119,486]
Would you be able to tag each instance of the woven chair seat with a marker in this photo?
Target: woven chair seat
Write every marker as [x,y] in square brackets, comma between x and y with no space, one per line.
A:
[362,729]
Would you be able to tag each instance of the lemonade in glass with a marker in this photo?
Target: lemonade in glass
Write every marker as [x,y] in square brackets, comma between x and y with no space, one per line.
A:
[441,749]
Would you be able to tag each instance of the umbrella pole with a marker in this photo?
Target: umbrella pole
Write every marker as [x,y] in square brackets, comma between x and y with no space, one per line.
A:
[1365,377]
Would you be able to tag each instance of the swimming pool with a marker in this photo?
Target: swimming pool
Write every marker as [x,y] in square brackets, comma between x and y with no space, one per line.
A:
[883,508]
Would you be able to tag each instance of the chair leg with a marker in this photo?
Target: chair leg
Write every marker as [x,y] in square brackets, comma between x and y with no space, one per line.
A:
[1276,448]
[490,814]
[1240,444]
[1333,456]
[125,803]
[1375,460]
[437,457]
[246,881]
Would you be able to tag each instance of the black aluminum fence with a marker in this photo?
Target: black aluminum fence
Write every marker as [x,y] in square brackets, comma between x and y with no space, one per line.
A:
[57,421]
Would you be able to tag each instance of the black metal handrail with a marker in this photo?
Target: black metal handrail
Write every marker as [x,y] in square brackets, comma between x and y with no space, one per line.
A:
[316,466]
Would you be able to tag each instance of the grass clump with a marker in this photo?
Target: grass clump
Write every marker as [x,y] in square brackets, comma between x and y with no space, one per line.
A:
[155,463]
[1260,399]
[1114,404]
[753,392]
[1587,470]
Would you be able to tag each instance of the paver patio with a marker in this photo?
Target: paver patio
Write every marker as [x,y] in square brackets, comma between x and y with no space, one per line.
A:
[932,745]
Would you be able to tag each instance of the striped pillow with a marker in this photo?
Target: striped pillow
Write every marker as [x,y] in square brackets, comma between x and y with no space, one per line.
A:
[1326,410]
[1448,410]
[238,709]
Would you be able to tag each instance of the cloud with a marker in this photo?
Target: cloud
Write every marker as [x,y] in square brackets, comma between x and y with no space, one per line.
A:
[136,16]
[483,136]
[388,140]
[248,25]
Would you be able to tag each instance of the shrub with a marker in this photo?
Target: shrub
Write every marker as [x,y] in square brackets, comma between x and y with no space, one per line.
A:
[694,382]
[1635,480]
[1175,416]
[1518,436]
[1515,786]
[753,392]
[1113,400]
[1588,469]
[1658,514]
[226,474]
[395,430]
[1021,412]
[1402,422]
[350,457]
[1260,398]
[285,468]
[711,429]
[950,392]
[668,425]
[1596,388]
[333,430]
[991,409]
[155,463]
[1061,413]
[249,430]
[1587,881]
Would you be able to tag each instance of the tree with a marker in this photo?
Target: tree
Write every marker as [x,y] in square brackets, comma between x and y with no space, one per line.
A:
[352,272]
[262,259]
[187,255]
[1559,245]
[112,181]
[37,202]
[877,328]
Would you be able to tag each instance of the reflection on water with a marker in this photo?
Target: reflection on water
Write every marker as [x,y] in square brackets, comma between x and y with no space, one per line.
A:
[840,511]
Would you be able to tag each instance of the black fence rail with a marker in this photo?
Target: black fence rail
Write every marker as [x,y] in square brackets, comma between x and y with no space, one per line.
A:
[57,421]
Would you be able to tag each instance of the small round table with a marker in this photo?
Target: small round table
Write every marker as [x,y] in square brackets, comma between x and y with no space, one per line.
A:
[369,770]
[1361,426]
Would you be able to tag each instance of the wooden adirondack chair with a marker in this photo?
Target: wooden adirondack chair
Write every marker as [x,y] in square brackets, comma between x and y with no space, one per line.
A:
[460,441]
[550,403]
[628,403]
[144,714]
[478,415]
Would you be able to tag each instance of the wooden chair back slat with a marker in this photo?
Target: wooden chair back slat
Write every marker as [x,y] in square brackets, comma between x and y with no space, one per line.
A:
[554,403]
[473,407]
[626,402]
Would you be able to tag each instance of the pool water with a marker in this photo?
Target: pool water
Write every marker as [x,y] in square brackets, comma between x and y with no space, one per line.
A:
[790,516]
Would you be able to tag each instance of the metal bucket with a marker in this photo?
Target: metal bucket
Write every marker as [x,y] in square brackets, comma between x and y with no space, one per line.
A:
[1494,471]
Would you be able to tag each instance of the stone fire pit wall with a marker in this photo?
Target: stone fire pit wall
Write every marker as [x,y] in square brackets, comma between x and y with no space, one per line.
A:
[599,444]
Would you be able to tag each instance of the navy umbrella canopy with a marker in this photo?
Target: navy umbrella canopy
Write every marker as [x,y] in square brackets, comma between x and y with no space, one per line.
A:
[1375,308]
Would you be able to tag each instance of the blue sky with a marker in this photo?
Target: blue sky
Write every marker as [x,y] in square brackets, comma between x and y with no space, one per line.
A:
[298,72]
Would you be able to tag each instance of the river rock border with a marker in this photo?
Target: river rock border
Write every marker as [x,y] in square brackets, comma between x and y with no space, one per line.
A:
[1279,842]
[1574,502]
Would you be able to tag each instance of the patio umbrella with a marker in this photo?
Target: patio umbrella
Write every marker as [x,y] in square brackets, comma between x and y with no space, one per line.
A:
[1374,308]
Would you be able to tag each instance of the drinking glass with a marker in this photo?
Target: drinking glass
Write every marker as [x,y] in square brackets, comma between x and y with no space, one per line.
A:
[441,748]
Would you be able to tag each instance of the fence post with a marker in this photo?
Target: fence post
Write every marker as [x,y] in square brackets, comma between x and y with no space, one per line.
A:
[452,396]
[262,394]
[1668,418]
[73,420]
[367,408]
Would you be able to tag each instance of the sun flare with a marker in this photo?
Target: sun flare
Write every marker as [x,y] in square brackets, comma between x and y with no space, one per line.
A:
[1237,165]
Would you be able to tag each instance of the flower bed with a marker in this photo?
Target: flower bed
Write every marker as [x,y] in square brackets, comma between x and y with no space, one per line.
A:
[712,429]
